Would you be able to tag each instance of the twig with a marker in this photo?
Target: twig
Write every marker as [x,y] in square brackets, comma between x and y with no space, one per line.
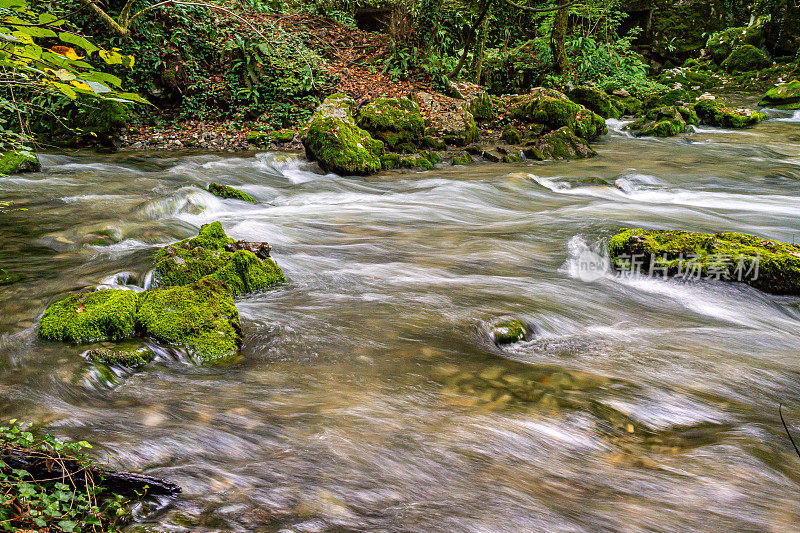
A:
[780,413]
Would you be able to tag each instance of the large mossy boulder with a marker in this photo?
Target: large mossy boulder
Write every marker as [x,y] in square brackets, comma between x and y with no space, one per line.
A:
[557,145]
[17,161]
[336,143]
[596,100]
[395,121]
[746,58]
[715,113]
[783,96]
[462,130]
[481,107]
[215,256]
[664,121]
[105,315]
[769,265]
[545,106]
[722,43]
[563,126]
[200,317]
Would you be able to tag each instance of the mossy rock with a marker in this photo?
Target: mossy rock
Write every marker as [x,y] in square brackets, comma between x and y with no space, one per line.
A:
[665,121]
[559,144]
[281,136]
[259,138]
[783,96]
[226,191]
[467,132]
[595,100]
[746,58]
[17,161]
[589,125]
[462,159]
[211,256]
[416,161]
[722,256]
[121,355]
[722,43]
[395,121]
[481,107]
[511,135]
[545,106]
[337,144]
[628,105]
[106,315]
[200,317]
[715,113]
[432,143]
[390,160]
[509,331]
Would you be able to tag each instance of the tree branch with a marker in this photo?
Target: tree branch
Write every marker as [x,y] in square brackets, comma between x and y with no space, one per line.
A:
[541,9]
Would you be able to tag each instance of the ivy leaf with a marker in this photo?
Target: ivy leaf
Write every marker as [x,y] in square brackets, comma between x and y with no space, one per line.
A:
[67,525]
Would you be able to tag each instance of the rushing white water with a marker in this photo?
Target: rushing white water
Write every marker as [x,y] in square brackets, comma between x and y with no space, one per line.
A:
[369,396]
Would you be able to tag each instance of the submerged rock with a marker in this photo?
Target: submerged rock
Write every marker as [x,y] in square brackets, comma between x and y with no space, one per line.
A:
[714,113]
[16,161]
[226,191]
[395,121]
[783,96]
[509,331]
[90,317]
[336,143]
[769,265]
[123,356]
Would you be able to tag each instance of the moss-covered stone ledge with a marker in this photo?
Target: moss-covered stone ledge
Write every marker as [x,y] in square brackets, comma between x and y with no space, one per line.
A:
[783,96]
[395,121]
[191,303]
[17,161]
[715,113]
[768,265]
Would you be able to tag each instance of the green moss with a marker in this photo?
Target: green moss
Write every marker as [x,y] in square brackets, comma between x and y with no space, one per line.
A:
[783,96]
[559,144]
[662,122]
[333,139]
[628,105]
[512,158]
[90,317]
[416,161]
[259,138]
[722,43]
[676,252]
[509,331]
[511,134]
[390,160]
[481,107]
[281,136]
[395,121]
[589,125]
[15,161]
[200,317]
[206,257]
[545,106]
[745,58]
[433,143]
[596,100]
[226,191]
[462,159]
[121,356]
[715,113]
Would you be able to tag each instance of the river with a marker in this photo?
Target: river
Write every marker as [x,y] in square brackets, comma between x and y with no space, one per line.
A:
[369,397]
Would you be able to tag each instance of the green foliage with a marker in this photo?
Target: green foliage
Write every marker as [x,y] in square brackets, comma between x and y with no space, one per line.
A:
[55,505]
[43,59]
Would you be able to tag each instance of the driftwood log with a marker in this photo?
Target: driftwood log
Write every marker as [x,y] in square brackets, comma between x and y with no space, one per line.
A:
[53,467]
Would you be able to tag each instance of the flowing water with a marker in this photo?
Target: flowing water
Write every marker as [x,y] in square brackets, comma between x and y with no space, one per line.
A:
[369,397]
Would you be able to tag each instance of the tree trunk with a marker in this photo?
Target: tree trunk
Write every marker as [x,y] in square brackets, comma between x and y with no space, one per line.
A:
[481,52]
[557,37]
[470,38]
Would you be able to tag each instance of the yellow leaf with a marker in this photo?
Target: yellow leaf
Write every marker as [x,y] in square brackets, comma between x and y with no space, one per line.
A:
[66,51]
[80,86]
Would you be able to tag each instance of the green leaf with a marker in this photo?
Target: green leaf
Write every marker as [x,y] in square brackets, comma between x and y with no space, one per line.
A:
[67,525]
[77,40]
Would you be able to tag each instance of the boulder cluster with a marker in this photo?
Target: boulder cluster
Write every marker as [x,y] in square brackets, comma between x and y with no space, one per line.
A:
[190,304]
